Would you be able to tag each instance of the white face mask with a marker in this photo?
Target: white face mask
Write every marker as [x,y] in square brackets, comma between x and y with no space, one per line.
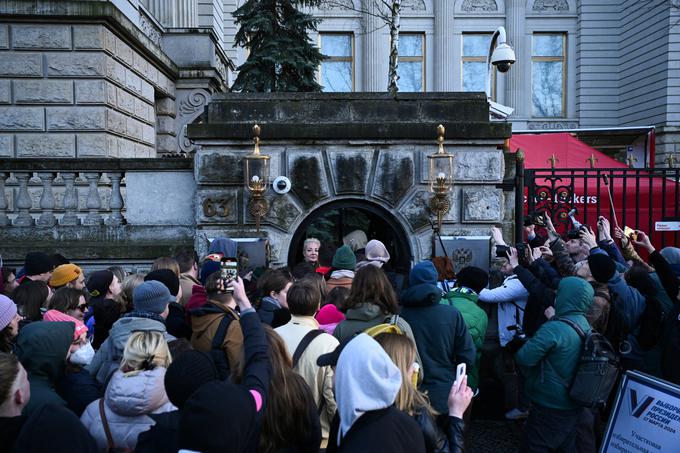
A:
[83,356]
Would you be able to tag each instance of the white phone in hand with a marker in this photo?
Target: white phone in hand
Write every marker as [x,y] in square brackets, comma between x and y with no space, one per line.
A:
[460,372]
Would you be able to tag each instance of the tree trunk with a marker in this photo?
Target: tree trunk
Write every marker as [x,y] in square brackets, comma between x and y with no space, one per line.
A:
[393,77]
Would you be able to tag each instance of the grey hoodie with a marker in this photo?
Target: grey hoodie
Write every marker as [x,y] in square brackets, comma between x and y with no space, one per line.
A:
[366,380]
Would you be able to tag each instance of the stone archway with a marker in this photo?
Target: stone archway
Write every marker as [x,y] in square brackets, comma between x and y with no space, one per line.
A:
[336,219]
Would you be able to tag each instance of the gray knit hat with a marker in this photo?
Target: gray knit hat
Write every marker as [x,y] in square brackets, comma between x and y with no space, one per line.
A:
[151,297]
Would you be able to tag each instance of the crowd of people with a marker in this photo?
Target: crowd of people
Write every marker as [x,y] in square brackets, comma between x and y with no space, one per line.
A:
[335,354]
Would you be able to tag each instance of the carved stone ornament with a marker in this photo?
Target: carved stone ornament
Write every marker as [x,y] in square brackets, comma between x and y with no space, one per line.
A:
[336,4]
[475,6]
[555,5]
[220,67]
[551,125]
[417,5]
[216,207]
[193,102]
[149,29]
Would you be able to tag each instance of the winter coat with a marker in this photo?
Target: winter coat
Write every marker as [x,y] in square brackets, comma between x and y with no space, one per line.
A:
[550,357]
[440,334]
[53,429]
[9,430]
[435,440]
[163,436]
[476,320]
[78,388]
[107,359]
[345,282]
[187,283]
[206,320]
[128,401]
[540,298]
[272,313]
[511,298]
[564,263]
[42,349]
[319,379]
[176,322]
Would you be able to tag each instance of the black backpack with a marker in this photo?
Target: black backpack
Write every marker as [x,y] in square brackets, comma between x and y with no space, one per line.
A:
[597,369]
[216,351]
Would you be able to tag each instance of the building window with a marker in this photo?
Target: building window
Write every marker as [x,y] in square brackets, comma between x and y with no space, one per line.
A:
[337,70]
[475,50]
[411,67]
[548,66]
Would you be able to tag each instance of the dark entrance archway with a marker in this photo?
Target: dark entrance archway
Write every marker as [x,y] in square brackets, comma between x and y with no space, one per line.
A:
[331,222]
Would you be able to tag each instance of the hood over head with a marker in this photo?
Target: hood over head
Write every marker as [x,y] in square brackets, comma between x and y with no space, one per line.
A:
[423,272]
[42,348]
[574,297]
[218,417]
[366,380]
[672,255]
[123,328]
[225,246]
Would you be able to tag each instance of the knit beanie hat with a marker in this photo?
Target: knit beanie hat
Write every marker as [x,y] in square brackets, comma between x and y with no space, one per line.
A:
[329,314]
[64,274]
[602,267]
[55,315]
[8,310]
[151,297]
[186,374]
[423,272]
[344,259]
[99,282]
[37,263]
[209,267]
[165,276]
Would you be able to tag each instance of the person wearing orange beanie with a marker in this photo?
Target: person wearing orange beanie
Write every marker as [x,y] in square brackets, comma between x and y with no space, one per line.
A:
[67,275]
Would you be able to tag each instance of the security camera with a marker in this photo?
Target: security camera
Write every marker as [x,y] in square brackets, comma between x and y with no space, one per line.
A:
[281,185]
[503,57]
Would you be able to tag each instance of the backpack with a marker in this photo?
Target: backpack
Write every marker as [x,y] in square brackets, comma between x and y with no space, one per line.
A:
[597,369]
[389,325]
[216,352]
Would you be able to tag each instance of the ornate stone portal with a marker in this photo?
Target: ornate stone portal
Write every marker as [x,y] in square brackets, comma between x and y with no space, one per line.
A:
[366,147]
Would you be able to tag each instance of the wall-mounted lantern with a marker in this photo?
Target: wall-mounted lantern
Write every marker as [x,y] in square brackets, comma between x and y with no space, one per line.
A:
[256,179]
[441,178]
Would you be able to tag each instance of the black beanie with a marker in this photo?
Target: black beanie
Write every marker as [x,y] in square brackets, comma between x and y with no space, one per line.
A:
[602,267]
[472,277]
[186,374]
[37,263]
[99,282]
[166,277]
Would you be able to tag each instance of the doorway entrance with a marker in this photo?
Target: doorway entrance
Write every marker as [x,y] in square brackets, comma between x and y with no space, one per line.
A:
[330,223]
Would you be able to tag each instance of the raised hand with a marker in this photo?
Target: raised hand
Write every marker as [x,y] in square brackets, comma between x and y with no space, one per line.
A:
[643,241]
[459,398]
[588,237]
[513,258]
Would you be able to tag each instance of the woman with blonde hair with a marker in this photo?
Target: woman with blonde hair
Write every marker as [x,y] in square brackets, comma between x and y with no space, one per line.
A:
[402,350]
[134,391]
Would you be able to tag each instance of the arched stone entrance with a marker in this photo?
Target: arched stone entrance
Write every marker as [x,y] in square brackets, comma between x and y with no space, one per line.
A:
[332,221]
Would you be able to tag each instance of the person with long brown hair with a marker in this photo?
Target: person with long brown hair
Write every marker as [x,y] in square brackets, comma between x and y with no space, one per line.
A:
[291,421]
[402,351]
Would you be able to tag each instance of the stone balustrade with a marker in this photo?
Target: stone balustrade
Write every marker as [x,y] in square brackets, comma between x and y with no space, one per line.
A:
[69,192]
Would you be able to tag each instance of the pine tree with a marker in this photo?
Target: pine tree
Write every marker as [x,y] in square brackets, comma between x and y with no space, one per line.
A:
[281,55]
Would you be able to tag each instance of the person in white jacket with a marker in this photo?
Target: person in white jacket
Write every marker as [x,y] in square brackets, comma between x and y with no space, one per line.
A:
[134,391]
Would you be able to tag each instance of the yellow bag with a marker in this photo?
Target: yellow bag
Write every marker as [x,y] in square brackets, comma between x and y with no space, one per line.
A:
[390,326]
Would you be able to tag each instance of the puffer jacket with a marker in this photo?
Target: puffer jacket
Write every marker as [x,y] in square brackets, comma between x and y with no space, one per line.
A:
[128,401]
[476,320]
[550,357]
[107,359]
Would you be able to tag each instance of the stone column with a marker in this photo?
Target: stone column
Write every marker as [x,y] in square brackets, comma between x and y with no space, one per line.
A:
[185,14]
[516,96]
[443,45]
[373,77]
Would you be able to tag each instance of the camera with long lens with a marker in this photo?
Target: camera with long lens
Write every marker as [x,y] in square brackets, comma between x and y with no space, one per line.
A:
[575,233]
[534,218]
[503,251]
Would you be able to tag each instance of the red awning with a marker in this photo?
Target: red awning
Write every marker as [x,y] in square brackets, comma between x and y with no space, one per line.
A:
[569,151]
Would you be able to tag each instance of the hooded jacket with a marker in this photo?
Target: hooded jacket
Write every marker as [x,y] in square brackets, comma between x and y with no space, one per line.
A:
[440,333]
[108,357]
[511,298]
[206,320]
[550,357]
[128,401]
[476,320]
[42,349]
[366,385]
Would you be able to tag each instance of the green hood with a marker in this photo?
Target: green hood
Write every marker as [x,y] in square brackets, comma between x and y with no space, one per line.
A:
[42,348]
[574,297]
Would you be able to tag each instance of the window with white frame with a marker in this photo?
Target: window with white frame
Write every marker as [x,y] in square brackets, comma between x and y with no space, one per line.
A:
[337,70]
[548,75]
[411,67]
[475,50]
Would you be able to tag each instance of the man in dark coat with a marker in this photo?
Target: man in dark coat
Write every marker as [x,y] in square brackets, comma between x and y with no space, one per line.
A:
[440,332]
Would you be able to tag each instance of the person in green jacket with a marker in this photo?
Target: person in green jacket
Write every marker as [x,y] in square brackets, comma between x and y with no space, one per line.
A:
[470,281]
[42,348]
[549,360]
